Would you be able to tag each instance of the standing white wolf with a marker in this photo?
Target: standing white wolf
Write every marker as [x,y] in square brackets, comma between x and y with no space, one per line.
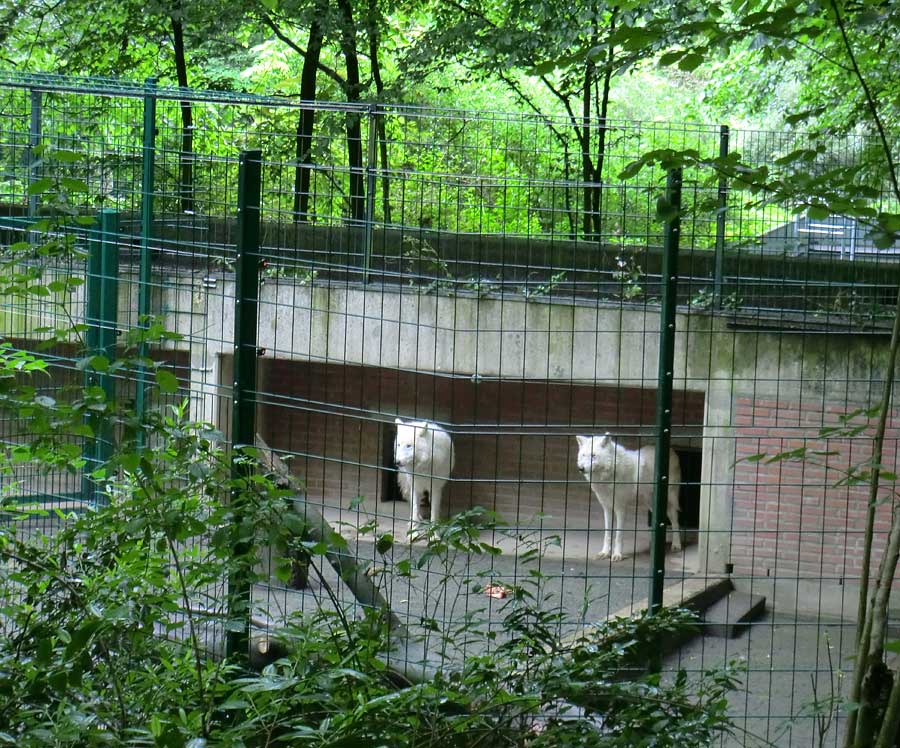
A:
[423,452]
[622,480]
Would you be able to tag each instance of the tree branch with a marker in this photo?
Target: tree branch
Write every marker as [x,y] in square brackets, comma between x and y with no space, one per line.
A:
[872,617]
[525,99]
[870,101]
[330,72]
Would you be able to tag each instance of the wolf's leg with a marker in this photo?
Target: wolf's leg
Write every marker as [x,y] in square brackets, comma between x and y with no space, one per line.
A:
[617,554]
[672,511]
[435,496]
[607,532]
[413,511]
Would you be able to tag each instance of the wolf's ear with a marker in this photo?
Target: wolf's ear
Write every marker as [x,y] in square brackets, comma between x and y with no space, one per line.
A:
[605,439]
[581,440]
[398,421]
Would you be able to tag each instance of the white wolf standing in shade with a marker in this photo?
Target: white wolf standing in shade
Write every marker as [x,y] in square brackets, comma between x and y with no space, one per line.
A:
[424,455]
[622,480]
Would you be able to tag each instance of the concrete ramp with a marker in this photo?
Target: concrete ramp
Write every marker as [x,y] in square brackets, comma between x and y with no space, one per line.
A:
[729,616]
[724,611]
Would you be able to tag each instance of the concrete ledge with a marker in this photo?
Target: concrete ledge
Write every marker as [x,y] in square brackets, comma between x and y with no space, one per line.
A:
[694,593]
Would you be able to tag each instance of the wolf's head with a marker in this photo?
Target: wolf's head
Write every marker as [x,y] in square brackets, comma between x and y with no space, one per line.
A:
[405,442]
[591,452]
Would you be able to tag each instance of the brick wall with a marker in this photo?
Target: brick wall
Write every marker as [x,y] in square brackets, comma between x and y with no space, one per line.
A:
[515,451]
[791,517]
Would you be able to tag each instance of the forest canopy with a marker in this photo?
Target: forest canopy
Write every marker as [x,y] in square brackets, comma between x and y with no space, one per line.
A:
[825,68]
[728,63]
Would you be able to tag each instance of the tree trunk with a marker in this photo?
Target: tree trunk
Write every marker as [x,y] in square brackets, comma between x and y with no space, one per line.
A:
[571,213]
[186,154]
[380,131]
[587,165]
[601,133]
[354,129]
[305,125]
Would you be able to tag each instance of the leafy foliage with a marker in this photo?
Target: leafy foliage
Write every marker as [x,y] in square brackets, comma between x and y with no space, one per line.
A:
[102,643]
[83,661]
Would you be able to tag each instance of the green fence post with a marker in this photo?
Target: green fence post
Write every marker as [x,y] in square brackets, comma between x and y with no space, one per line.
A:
[720,223]
[101,317]
[370,193]
[669,287]
[148,154]
[34,140]
[243,403]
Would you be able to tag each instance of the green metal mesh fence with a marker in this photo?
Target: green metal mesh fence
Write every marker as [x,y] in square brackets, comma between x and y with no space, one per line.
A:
[456,268]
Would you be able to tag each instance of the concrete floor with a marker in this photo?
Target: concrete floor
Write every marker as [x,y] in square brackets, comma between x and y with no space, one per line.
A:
[785,655]
[791,661]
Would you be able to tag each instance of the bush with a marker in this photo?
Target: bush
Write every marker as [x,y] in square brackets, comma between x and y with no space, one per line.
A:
[107,637]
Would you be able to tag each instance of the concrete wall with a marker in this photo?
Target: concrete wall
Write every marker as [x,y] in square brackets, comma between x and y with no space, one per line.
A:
[609,347]
[505,364]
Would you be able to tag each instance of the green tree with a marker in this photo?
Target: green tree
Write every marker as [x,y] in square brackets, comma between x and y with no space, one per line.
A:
[850,47]
[573,52]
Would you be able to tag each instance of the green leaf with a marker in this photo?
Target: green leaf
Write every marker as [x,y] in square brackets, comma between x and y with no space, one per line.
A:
[818,211]
[867,18]
[44,649]
[631,170]
[691,61]
[99,363]
[883,239]
[57,286]
[73,185]
[66,157]
[385,543]
[807,114]
[167,381]
[670,58]
[889,221]
[57,680]
[40,185]
[234,703]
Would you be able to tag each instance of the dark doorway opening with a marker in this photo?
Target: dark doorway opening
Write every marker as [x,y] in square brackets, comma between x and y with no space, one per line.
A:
[691,475]
[390,489]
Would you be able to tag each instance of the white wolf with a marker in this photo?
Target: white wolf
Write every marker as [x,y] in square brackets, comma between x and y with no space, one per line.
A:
[423,452]
[622,480]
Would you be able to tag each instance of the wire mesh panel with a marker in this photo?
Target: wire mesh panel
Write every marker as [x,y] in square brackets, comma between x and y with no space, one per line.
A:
[456,352]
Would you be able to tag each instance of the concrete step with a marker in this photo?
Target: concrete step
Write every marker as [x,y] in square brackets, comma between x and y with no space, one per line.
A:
[727,617]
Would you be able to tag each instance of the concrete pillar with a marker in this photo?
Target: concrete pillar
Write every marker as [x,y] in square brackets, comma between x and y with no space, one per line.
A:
[716,499]
[206,384]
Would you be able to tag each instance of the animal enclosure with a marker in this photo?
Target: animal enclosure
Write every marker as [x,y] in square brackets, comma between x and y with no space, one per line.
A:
[454,269]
